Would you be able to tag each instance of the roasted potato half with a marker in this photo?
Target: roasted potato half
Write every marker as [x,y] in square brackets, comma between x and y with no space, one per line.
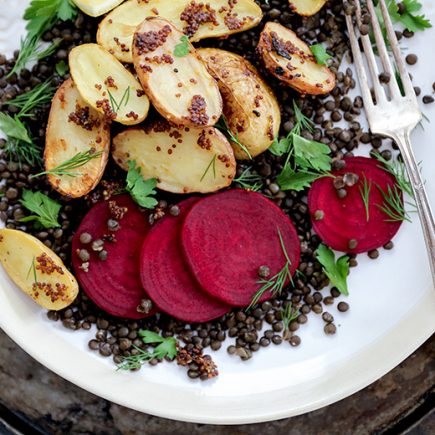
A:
[290,60]
[306,7]
[37,270]
[182,160]
[95,8]
[250,107]
[74,127]
[198,20]
[107,85]
[173,75]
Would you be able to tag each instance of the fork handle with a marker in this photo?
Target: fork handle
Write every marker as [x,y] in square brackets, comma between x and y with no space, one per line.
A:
[403,140]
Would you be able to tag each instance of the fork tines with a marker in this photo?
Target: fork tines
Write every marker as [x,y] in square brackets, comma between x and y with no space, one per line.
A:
[379,90]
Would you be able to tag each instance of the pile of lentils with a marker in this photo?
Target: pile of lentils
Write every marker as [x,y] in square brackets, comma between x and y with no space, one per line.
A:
[262,325]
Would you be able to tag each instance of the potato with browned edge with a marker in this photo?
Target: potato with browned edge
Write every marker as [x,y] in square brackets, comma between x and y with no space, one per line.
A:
[174,76]
[250,107]
[37,270]
[183,160]
[306,8]
[290,60]
[74,127]
[198,20]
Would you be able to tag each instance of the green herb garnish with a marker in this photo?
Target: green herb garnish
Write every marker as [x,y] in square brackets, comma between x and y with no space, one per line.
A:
[41,16]
[46,209]
[290,179]
[311,155]
[408,17]
[212,164]
[182,49]
[275,284]
[68,166]
[336,271]
[393,205]
[140,189]
[62,68]
[167,348]
[115,105]
[320,53]
[288,315]
[249,181]
[224,127]
[364,190]
[32,268]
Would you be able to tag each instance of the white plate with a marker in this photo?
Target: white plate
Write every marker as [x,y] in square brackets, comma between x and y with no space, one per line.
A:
[392,313]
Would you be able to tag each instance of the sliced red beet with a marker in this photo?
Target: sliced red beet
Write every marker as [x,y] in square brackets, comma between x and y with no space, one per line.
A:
[345,219]
[226,237]
[167,278]
[114,284]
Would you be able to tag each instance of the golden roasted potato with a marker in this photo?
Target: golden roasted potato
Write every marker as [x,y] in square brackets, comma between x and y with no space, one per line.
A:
[107,85]
[174,76]
[290,60]
[250,107]
[198,20]
[37,270]
[95,8]
[182,160]
[306,7]
[73,128]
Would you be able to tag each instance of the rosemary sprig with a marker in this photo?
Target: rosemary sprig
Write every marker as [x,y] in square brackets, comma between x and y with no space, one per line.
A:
[223,126]
[275,284]
[68,166]
[124,100]
[364,190]
[393,205]
[34,99]
[249,181]
[212,164]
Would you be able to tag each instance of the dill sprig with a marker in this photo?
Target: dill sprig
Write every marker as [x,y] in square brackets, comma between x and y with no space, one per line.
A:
[393,205]
[32,268]
[275,284]
[34,99]
[288,314]
[364,190]
[123,101]
[212,164]
[302,121]
[134,362]
[398,170]
[224,127]
[249,181]
[68,166]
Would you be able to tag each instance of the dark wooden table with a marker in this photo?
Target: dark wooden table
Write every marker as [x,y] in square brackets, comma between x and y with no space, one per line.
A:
[33,400]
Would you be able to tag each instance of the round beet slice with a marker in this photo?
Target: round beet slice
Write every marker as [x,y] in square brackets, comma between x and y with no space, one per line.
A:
[114,284]
[343,224]
[167,278]
[226,237]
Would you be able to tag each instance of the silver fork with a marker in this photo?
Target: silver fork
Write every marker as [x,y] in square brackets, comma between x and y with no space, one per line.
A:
[392,115]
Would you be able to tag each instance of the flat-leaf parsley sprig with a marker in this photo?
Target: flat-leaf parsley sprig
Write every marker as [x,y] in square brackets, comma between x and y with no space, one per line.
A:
[45,209]
[277,282]
[140,190]
[336,270]
[166,348]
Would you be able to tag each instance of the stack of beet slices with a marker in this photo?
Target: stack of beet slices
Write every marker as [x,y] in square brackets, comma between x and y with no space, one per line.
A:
[199,264]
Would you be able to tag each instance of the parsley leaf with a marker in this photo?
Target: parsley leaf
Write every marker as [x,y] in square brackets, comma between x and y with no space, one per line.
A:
[140,189]
[167,345]
[46,209]
[310,154]
[336,271]
[320,53]
[289,179]
[407,17]
[280,147]
[62,68]
[182,49]
[14,128]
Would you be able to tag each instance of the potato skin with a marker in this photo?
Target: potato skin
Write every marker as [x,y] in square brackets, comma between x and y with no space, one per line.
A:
[290,60]
[250,107]
[306,8]
[180,87]
[65,139]
[183,160]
